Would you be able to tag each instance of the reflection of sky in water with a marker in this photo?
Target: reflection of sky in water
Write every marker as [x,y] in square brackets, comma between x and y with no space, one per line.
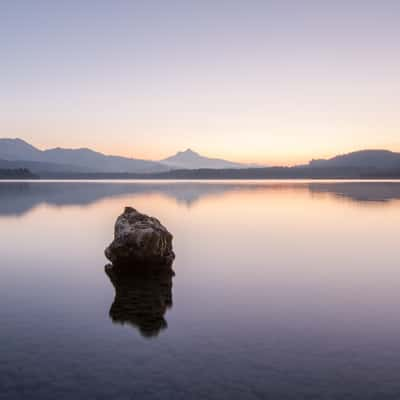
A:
[280,287]
[19,197]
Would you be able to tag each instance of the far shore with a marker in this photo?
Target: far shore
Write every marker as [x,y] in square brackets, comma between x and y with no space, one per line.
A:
[271,173]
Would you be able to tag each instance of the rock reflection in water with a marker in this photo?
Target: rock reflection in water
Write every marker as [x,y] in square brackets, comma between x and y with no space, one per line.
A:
[141,299]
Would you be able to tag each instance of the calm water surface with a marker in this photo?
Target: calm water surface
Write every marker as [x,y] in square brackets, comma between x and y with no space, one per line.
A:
[283,290]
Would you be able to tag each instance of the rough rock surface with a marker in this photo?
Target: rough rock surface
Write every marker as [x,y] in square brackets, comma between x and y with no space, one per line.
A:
[140,240]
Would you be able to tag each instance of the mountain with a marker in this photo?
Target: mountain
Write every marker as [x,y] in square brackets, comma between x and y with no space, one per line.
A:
[98,162]
[88,161]
[18,154]
[379,159]
[71,160]
[189,159]
[17,149]
[42,168]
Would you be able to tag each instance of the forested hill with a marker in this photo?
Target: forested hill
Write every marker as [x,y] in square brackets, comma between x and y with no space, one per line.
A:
[305,172]
[19,173]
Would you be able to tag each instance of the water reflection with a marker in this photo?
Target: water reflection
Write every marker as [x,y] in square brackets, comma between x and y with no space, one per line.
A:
[18,198]
[291,283]
[141,300]
[359,191]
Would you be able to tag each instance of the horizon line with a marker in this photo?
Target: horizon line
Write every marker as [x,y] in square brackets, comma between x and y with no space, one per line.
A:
[190,149]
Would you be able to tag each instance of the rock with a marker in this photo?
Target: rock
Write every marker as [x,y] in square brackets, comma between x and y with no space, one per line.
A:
[141,300]
[139,242]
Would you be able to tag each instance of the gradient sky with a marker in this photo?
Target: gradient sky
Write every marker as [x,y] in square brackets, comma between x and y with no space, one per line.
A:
[262,81]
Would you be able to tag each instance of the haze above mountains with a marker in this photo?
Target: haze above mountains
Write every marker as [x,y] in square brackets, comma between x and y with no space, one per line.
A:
[16,153]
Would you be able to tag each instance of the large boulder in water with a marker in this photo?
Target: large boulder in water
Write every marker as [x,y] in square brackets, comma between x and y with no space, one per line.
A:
[140,241]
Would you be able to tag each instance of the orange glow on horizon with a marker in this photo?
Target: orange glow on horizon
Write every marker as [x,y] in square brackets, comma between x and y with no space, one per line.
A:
[269,158]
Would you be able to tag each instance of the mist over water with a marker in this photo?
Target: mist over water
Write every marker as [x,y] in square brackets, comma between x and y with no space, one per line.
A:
[284,290]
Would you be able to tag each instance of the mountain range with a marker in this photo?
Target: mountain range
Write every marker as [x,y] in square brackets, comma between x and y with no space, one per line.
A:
[381,159]
[189,159]
[16,153]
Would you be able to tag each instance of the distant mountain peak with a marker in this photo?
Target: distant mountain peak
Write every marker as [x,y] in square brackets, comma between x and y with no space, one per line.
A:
[189,151]
[190,159]
[11,149]
[16,141]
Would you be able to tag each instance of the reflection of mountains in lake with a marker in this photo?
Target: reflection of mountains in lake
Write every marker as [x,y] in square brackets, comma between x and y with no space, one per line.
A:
[359,191]
[141,300]
[17,198]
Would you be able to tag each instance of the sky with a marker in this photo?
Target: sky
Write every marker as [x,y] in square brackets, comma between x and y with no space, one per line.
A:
[273,82]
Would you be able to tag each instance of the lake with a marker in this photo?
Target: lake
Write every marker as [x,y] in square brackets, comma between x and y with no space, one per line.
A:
[283,290]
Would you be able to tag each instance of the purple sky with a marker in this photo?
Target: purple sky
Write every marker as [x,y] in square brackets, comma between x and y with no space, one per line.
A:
[264,81]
